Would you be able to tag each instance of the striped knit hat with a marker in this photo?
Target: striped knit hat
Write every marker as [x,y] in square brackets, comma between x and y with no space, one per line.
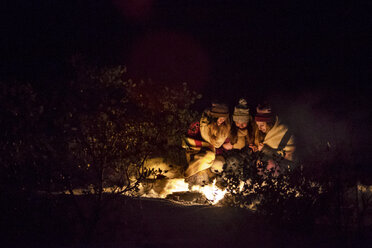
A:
[264,113]
[219,110]
[241,112]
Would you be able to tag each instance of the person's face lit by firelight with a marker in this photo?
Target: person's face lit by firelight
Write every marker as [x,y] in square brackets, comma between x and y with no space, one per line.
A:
[262,126]
[220,120]
[241,125]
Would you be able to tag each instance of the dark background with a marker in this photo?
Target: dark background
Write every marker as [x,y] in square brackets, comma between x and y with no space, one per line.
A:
[230,48]
[310,58]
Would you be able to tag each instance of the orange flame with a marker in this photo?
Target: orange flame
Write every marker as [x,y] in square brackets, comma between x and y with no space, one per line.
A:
[210,191]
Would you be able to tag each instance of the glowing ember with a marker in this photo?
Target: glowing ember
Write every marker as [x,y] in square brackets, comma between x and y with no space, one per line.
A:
[211,192]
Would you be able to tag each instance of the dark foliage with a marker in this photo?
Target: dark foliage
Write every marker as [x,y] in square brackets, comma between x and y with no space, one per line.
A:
[91,137]
[290,198]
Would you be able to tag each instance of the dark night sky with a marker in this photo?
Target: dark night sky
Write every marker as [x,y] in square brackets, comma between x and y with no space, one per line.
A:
[228,47]
[291,52]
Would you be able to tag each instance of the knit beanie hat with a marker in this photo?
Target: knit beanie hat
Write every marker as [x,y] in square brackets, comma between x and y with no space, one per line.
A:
[241,112]
[264,113]
[219,110]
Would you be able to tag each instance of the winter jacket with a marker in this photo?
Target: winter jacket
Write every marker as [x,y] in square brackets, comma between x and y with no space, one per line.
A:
[242,139]
[200,149]
[204,131]
[193,140]
[279,141]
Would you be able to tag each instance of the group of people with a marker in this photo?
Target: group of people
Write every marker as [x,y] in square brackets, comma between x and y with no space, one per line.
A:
[208,140]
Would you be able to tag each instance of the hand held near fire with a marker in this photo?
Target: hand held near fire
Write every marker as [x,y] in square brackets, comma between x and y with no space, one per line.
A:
[260,146]
[227,146]
[253,147]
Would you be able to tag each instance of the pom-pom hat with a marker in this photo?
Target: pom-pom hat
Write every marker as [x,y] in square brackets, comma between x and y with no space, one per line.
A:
[241,112]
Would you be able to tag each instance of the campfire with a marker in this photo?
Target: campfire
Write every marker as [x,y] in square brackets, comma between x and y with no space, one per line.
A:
[173,186]
[211,192]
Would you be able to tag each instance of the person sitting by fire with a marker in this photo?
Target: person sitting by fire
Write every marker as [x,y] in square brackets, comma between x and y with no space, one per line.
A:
[236,148]
[274,140]
[242,131]
[202,139]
